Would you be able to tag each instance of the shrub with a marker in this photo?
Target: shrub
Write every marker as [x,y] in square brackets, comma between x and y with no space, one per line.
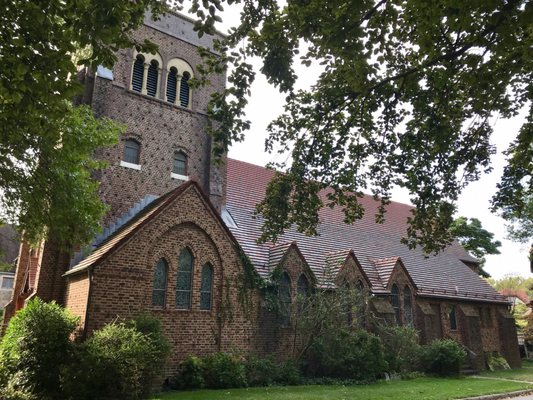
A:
[117,362]
[35,350]
[401,348]
[443,357]
[190,374]
[353,355]
[223,370]
[289,374]
[261,371]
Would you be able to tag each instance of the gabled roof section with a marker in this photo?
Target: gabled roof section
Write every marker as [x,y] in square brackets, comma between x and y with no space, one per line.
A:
[279,252]
[334,263]
[125,232]
[384,267]
[445,273]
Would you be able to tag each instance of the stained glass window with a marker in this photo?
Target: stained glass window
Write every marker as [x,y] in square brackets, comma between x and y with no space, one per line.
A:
[284,293]
[206,287]
[184,280]
[395,302]
[407,307]
[160,283]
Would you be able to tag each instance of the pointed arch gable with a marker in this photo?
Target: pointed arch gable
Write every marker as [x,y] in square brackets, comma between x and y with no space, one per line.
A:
[306,270]
[352,255]
[399,266]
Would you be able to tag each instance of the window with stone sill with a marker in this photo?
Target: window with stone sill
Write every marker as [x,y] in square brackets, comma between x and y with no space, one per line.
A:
[132,151]
[206,288]
[179,166]
[160,283]
[184,280]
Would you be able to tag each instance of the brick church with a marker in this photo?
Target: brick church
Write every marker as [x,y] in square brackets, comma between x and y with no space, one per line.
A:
[180,233]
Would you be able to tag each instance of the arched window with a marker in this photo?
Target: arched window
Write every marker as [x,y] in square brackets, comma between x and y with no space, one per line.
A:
[160,283]
[184,90]
[360,303]
[132,150]
[407,307]
[395,302]
[153,75]
[184,281]
[206,287]
[284,294]
[303,286]
[137,75]
[453,318]
[180,163]
[172,85]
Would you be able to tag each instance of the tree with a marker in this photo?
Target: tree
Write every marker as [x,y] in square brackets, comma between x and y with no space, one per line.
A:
[474,238]
[46,144]
[404,99]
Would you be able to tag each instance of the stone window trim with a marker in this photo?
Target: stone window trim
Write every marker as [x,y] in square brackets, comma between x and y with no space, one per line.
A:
[148,60]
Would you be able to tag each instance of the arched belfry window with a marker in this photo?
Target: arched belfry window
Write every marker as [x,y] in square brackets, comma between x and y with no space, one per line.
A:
[137,76]
[180,163]
[145,75]
[395,302]
[184,280]
[184,90]
[407,307]
[152,79]
[285,298]
[172,85]
[206,287]
[132,151]
[178,91]
[160,283]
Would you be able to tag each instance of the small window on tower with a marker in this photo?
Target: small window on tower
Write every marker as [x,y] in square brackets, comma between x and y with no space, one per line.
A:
[180,164]
[137,76]
[153,75]
[131,151]
[172,85]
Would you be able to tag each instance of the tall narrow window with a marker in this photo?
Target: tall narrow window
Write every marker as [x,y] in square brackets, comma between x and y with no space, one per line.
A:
[453,319]
[137,76]
[160,283]
[184,90]
[172,85]
[131,151]
[360,304]
[151,81]
[180,163]
[184,282]
[206,287]
[284,293]
[303,292]
[407,307]
[346,301]
[395,302]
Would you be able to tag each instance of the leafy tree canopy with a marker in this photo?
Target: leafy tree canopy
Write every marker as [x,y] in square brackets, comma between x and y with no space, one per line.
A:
[474,238]
[46,144]
[404,99]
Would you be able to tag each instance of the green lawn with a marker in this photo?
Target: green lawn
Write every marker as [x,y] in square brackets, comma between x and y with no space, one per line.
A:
[523,374]
[417,389]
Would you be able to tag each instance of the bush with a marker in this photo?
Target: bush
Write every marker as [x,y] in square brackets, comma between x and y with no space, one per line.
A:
[223,370]
[443,357]
[190,374]
[35,350]
[289,374]
[117,362]
[352,355]
[261,371]
[401,348]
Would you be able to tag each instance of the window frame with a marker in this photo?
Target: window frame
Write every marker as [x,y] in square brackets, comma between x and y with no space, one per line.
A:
[165,265]
[182,67]
[285,299]
[190,273]
[408,314]
[454,325]
[398,308]
[185,162]
[207,267]
[10,279]
[128,162]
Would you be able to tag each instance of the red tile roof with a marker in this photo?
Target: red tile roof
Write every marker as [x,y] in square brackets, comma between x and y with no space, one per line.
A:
[443,275]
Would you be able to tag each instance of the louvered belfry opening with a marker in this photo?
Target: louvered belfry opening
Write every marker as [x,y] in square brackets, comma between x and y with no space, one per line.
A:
[151,81]
[138,74]
[184,90]
[172,85]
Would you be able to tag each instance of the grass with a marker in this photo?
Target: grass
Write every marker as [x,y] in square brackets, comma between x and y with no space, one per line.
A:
[416,389]
[522,374]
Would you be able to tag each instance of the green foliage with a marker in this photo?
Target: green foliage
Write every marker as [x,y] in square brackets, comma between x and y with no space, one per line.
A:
[47,144]
[401,348]
[354,355]
[223,370]
[496,362]
[190,374]
[404,98]
[443,357]
[151,327]
[35,349]
[116,362]
[474,238]
[266,372]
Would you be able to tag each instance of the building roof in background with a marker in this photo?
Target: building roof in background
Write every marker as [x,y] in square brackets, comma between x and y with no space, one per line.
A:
[443,275]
